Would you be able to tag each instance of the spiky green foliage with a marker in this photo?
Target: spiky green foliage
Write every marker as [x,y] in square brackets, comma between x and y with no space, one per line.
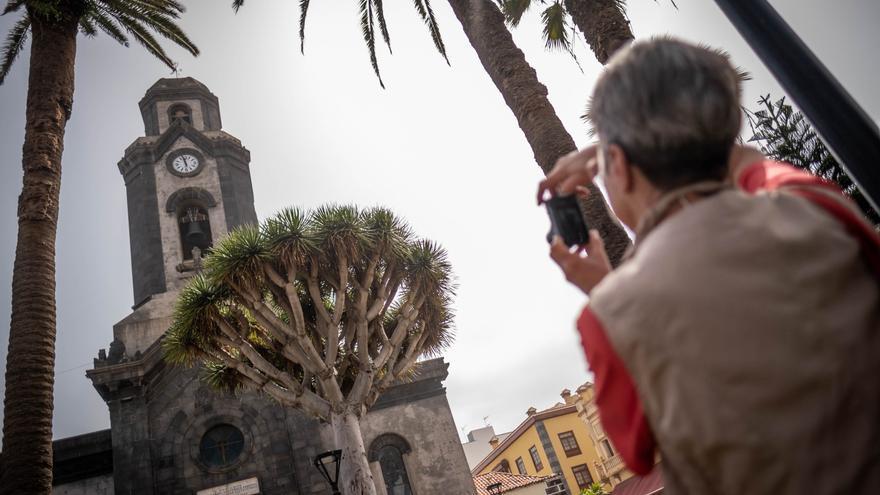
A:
[316,309]
[594,489]
[784,134]
[119,19]
[372,20]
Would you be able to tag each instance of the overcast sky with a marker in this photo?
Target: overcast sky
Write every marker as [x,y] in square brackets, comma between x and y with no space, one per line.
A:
[438,146]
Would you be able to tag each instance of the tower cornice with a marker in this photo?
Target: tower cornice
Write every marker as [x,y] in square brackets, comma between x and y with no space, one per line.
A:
[216,143]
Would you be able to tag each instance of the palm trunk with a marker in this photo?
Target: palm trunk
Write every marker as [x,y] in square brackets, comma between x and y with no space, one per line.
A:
[27,420]
[518,83]
[603,23]
[355,477]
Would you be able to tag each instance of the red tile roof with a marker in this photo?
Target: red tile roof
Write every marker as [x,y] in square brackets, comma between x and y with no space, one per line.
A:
[650,484]
[509,481]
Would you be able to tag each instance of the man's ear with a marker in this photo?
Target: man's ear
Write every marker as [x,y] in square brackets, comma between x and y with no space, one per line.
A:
[620,167]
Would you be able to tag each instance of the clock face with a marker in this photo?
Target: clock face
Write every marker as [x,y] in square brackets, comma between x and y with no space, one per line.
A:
[185,164]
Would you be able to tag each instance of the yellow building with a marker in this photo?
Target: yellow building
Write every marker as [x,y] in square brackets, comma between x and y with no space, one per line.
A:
[554,440]
[610,467]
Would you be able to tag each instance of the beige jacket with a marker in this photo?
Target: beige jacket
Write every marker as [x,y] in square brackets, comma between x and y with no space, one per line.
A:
[750,328]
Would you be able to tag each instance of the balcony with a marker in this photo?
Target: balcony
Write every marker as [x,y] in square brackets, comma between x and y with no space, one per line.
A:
[613,465]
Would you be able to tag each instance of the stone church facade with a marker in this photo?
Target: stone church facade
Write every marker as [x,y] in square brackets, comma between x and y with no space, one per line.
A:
[188,183]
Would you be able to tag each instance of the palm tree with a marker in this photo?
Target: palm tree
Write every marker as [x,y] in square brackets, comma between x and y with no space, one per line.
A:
[320,311]
[483,23]
[518,83]
[784,134]
[603,23]
[53,26]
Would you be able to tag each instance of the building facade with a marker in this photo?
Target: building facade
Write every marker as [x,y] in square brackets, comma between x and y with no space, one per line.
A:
[610,467]
[548,442]
[188,183]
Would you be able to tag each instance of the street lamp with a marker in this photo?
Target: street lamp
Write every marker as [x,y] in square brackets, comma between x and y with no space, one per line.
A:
[328,465]
[494,489]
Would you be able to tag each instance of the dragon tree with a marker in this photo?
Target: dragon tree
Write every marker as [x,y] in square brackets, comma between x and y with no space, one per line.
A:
[321,311]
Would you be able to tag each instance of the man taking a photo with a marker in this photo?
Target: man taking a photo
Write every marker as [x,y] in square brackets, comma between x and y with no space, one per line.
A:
[740,337]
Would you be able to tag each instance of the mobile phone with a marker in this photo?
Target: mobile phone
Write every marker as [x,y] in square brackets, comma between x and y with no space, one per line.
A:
[566,220]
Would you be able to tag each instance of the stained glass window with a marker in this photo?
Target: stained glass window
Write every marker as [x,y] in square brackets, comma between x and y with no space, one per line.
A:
[221,446]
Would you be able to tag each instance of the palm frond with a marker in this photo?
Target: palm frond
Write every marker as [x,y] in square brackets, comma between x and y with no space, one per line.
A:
[555,21]
[87,27]
[109,27]
[15,40]
[423,7]
[366,12]
[237,4]
[146,39]
[383,28]
[139,17]
[513,10]
[167,28]
[303,11]
[12,6]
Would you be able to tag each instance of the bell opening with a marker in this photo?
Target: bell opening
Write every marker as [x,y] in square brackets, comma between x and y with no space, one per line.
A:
[195,230]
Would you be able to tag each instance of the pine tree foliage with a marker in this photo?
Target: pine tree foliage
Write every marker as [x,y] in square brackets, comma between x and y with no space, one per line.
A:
[784,134]
[320,310]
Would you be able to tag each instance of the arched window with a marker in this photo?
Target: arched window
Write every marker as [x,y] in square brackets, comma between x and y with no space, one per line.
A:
[179,113]
[388,451]
[195,229]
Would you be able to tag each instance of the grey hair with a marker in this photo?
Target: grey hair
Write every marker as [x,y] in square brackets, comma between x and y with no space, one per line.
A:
[672,107]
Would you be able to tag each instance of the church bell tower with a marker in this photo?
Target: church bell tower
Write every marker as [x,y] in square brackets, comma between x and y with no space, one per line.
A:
[187,181]
[188,184]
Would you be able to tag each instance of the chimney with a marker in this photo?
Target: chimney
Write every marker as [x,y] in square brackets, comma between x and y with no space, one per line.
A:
[531,411]
[566,396]
[493,442]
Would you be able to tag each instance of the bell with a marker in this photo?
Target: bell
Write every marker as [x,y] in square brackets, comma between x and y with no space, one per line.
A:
[195,236]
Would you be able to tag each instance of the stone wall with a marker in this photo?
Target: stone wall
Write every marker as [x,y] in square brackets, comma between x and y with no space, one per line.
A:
[143,225]
[139,330]
[436,464]
[99,485]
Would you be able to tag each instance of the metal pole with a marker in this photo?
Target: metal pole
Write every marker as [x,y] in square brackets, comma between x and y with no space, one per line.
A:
[850,135]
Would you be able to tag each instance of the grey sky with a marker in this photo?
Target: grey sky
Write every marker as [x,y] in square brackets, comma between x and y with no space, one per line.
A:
[439,147]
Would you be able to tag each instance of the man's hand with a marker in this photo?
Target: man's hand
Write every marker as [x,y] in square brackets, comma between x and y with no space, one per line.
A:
[572,173]
[584,267]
